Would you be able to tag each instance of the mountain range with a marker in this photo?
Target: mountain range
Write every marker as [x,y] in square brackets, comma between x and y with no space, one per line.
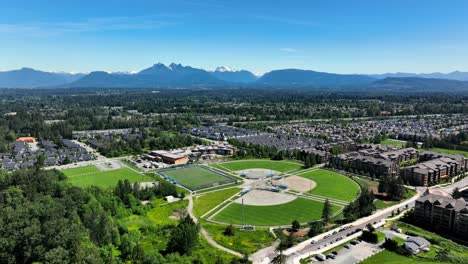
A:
[177,75]
[29,78]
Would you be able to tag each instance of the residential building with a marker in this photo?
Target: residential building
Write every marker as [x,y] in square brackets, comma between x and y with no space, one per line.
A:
[443,214]
[416,244]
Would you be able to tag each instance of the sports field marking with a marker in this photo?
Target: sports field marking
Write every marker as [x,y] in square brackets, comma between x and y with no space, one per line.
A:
[280,166]
[332,185]
[303,210]
[72,172]
[196,177]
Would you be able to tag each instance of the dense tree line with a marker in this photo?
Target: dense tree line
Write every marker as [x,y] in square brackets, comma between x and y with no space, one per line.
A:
[392,187]
[43,219]
[362,206]
[150,139]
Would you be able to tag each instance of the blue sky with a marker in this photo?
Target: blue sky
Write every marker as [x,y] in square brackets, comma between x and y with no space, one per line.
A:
[335,36]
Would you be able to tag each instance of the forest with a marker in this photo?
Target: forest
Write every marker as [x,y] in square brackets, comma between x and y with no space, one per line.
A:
[44,219]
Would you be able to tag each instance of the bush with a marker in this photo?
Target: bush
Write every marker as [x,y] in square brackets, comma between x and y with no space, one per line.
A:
[369,236]
[229,231]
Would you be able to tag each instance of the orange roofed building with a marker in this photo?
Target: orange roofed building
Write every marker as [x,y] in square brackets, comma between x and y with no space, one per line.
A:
[26,139]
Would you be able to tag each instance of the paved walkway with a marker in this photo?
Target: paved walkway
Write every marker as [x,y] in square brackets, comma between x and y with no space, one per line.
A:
[205,234]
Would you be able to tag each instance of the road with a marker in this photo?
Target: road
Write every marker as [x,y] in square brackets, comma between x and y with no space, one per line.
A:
[306,249]
[322,244]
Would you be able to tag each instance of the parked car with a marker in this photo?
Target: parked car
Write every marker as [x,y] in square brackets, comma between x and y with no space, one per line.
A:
[347,246]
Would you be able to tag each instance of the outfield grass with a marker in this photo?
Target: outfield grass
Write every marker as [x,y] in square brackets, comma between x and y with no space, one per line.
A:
[208,201]
[332,185]
[80,170]
[107,178]
[393,142]
[450,151]
[281,166]
[196,177]
[301,209]
[246,242]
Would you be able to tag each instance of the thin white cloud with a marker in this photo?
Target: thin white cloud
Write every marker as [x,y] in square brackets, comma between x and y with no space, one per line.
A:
[88,25]
[289,50]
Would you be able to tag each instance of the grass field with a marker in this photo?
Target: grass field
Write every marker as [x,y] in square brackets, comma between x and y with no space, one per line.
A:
[281,166]
[332,185]
[208,201]
[303,210]
[80,170]
[389,257]
[196,178]
[246,242]
[104,178]
[393,142]
[450,151]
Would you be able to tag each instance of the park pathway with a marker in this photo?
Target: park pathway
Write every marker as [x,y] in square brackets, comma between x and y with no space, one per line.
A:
[207,236]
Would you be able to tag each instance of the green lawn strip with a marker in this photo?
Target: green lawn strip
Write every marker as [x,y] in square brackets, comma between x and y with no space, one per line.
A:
[393,142]
[245,242]
[333,185]
[80,170]
[389,257]
[216,166]
[196,177]
[303,210]
[381,204]
[366,182]
[281,166]
[225,186]
[108,178]
[208,201]
[129,164]
[450,151]
[380,236]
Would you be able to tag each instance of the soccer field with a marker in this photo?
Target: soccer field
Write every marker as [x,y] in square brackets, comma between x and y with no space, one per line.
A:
[450,151]
[196,178]
[300,209]
[332,185]
[103,178]
[80,170]
[281,166]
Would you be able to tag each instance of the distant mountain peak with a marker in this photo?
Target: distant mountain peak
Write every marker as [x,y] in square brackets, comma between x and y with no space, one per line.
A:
[225,69]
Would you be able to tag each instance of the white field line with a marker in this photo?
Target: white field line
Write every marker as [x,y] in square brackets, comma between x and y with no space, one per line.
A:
[217,206]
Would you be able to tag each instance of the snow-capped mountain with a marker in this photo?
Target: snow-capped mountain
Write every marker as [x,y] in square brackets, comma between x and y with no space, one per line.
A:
[225,69]
[229,74]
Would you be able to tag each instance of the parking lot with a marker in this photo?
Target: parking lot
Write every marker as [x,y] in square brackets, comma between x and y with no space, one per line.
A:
[354,253]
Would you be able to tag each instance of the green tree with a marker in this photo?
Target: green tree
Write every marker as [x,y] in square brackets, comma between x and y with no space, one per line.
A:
[295,225]
[456,194]
[326,211]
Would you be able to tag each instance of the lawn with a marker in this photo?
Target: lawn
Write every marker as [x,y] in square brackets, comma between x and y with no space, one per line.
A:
[332,185]
[389,257]
[195,177]
[208,201]
[393,142]
[246,242]
[107,178]
[301,209]
[80,170]
[281,166]
[450,151]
